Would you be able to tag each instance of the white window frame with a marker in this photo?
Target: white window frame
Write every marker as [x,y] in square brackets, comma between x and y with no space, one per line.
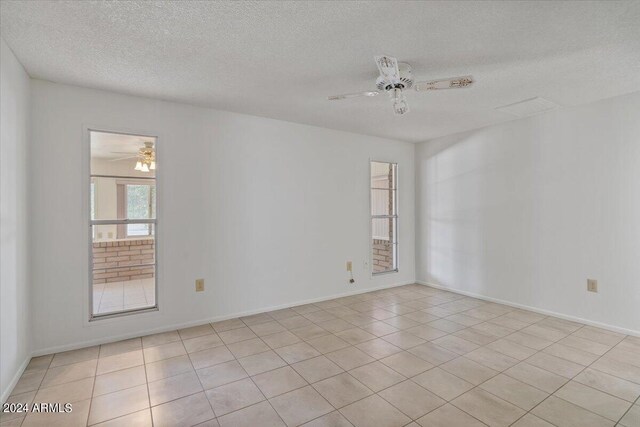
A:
[126,209]
[92,222]
[394,215]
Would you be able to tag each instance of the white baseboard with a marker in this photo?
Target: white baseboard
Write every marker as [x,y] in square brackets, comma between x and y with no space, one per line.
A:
[535,309]
[173,327]
[14,380]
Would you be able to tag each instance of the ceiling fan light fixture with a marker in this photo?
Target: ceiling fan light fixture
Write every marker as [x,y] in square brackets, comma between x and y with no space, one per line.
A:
[153,166]
[145,168]
[138,166]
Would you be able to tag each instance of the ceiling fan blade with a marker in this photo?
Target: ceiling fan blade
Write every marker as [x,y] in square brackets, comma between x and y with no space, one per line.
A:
[388,67]
[352,95]
[123,158]
[452,83]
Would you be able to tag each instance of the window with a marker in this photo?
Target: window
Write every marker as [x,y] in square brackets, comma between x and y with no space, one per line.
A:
[123,223]
[384,217]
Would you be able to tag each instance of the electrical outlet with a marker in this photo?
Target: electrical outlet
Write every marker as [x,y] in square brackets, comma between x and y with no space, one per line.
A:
[349,266]
[199,285]
[592,285]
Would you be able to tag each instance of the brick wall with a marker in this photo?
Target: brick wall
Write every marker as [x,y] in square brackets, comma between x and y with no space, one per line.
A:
[382,255]
[126,254]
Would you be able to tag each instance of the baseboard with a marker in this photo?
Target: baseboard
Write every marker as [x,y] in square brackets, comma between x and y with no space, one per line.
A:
[535,309]
[14,380]
[173,327]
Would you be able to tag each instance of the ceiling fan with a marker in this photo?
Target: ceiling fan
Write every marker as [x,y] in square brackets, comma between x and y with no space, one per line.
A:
[146,157]
[395,77]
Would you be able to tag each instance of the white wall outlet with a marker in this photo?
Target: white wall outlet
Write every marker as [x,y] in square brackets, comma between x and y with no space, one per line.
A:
[199,285]
[592,285]
[349,266]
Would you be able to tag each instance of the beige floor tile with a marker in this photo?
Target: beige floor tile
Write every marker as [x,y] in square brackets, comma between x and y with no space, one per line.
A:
[403,339]
[168,368]
[511,349]
[295,322]
[222,373]
[609,384]
[164,351]
[328,343]
[118,347]
[528,340]
[433,353]
[210,357]
[29,381]
[543,332]
[514,391]
[119,361]
[137,419]
[300,406]
[236,335]
[66,393]
[247,348]
[196,331]
[77,417]
[488,408]
[119,380]
[374,411]
[426,332]
[227,325]
[316,369]
[355,336]
[618,369]
[234,396]
[39,363]
[442,383]
[622,355]
[320,316]
[16,417]
[492,359]
[406,364]
[175,387]
[261,362]
[256,319]
[202,342]
[349,358]
[469,370]
[632,417]
[598,335]
[474,336]
[278,381]
[446,325]
[187,411]
[565,414]
[280,339]
[455,344]
[75,356]
[161,338]
[297,352]
[342,389]
[284,313]
[378,348]
[261,414]
[593,400]
[117,404]
[555,364]
[68,373]
[335,325]
[411,399]
[379,328]
[449,416]
[309,332]
[377,376]
[332,419]
[571,354]
[537,377]
[530,420]
[267,328]
[585,345]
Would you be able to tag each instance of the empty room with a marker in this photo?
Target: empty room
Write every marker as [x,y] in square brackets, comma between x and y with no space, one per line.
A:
[320,213]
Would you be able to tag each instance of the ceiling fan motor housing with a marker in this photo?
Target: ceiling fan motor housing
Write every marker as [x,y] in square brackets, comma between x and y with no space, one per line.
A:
[406,79]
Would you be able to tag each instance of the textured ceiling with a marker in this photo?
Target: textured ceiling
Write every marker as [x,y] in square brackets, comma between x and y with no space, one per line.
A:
[281,59]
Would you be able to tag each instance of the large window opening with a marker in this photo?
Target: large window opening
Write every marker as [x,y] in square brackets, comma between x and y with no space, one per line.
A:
[123,223]
[384,217]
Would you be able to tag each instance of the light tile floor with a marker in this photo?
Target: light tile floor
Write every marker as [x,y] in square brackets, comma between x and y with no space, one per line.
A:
[411,355]
[118,296]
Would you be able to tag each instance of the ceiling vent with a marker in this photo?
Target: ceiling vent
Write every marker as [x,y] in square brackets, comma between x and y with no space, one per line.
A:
[528,107]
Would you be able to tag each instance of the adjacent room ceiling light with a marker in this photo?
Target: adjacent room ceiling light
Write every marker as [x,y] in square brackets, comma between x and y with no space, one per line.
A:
[146,158]
[395,77]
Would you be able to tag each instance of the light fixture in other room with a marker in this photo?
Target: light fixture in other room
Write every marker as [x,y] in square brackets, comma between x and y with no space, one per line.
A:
[146,158]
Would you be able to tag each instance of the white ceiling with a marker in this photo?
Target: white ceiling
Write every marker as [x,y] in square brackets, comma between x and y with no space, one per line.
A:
[105,145]
[281,59]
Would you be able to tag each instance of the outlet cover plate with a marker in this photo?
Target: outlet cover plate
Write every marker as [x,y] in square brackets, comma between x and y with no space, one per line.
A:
[592,285]
[199,285]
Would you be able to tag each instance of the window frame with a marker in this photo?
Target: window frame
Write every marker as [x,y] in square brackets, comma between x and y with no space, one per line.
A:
[395,244]
[92,317]
[126,209]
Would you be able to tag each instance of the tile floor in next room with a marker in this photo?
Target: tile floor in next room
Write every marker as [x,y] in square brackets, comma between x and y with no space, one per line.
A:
[406,356]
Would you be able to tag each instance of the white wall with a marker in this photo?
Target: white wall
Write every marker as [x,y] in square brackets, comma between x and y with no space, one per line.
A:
[14,293]
[527,211]
[266,211]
